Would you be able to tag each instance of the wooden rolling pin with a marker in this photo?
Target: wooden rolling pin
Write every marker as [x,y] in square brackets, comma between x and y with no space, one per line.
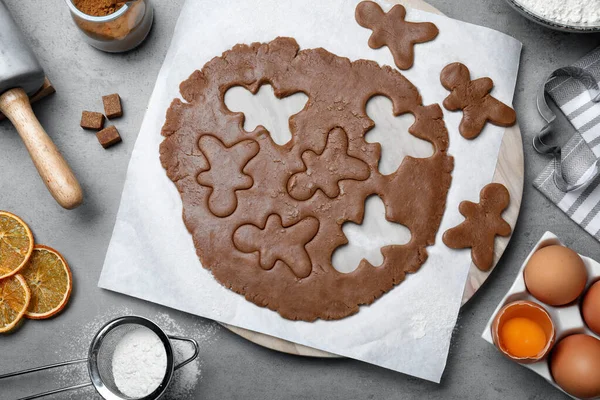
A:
[20,76]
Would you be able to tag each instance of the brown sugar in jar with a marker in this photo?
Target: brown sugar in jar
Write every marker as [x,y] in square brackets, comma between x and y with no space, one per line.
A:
[98,8]
[112,25]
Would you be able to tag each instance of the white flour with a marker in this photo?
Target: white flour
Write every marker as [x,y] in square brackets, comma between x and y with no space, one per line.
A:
[566,11]
[139,363]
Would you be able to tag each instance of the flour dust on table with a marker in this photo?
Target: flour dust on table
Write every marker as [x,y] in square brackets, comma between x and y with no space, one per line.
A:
[185,380]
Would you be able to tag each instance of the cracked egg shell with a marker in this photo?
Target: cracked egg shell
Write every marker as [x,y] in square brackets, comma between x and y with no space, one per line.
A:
[529,310]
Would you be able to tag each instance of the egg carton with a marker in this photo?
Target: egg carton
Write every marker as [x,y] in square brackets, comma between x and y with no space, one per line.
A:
[567,319]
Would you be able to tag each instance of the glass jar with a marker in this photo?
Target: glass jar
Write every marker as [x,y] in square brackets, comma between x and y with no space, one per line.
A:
[120,31]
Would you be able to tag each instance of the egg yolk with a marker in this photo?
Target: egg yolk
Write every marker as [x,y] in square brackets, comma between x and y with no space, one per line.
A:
[523,337]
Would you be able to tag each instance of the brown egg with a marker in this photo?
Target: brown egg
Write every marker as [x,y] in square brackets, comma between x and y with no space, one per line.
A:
[555,275]
[575,365]
[591,308]
[520,341]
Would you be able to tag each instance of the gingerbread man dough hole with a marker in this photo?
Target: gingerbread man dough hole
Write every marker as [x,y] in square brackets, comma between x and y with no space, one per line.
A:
[365,240]
[266,110]
[392,133]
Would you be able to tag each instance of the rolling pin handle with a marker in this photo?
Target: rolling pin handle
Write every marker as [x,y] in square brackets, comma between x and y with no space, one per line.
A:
[51,165]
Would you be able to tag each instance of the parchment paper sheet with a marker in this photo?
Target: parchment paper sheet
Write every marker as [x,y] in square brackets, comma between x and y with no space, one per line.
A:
[151,255]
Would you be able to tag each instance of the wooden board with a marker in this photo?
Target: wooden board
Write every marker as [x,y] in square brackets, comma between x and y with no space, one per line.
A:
[509,172]
[46,90]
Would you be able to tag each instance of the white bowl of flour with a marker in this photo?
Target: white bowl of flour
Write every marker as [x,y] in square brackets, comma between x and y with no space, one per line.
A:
[565,15]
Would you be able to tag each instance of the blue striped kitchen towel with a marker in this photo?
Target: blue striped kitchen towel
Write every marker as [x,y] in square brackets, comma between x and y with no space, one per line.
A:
[580,153]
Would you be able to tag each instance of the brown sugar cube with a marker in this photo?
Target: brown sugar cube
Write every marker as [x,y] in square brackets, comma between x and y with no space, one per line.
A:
[112,106]
[108,136]
[92,120]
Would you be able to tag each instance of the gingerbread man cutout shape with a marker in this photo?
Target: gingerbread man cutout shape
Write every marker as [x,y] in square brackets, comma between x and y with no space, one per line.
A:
[483,221]
[393,31]
[324,171]
[276,242]
[226,174]
[475,101]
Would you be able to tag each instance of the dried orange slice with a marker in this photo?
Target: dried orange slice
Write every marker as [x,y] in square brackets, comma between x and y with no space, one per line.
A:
[14,299]
[16,244]
[49,278]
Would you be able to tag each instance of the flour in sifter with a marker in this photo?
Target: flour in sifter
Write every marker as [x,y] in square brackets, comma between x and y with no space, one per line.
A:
[586,12]
[139,363]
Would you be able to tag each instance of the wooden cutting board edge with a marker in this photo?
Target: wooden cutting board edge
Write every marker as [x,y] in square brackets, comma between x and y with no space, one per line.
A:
[509,172]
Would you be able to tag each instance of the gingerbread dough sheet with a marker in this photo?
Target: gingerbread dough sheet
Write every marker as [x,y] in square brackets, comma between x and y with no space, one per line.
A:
[152,256]
[257,215]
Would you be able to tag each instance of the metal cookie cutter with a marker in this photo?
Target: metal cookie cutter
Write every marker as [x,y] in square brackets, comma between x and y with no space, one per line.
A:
[540,140]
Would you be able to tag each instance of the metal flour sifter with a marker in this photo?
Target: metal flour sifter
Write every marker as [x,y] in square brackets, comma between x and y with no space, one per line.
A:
[100,357]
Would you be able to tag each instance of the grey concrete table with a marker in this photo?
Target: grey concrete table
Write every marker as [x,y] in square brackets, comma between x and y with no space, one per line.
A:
[231,366]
